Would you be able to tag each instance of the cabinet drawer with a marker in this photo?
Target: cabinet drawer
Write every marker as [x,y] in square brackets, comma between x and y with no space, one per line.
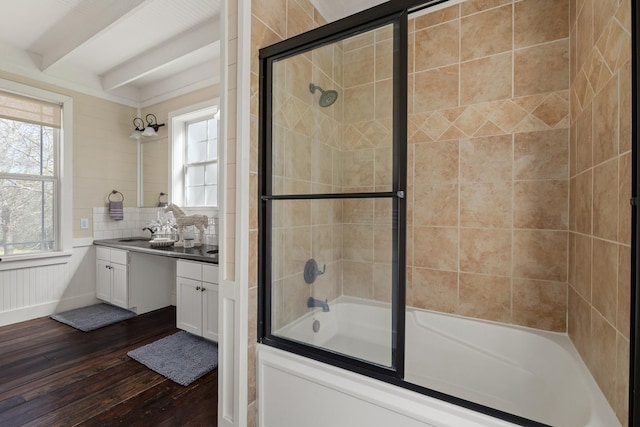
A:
[210,273]
[119,257]
[190,270]
[103,253]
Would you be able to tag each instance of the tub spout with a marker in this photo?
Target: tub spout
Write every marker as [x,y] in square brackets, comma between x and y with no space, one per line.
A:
[312,302]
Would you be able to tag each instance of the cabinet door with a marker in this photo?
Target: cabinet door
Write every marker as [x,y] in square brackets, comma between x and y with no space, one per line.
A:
[189,305]
[210,311]
[119,287]
[103,280]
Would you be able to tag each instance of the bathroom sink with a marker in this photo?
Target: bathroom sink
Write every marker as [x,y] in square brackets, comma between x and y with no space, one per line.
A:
[135,239]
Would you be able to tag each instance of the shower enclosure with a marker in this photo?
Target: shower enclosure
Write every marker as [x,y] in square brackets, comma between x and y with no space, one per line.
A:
[415,164]
[333,192]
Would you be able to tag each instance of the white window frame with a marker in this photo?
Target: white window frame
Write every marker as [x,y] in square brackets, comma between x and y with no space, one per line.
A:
[187,165]
[177,129]
[63,198]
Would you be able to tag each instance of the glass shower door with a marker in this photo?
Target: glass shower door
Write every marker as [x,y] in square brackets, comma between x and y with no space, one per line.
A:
[331,283]
[331,197]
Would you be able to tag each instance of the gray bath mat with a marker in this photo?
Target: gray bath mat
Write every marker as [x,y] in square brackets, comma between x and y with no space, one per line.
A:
[181,357]
[93,317]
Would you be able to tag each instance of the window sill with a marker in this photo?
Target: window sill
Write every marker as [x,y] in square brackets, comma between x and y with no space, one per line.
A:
[14,262]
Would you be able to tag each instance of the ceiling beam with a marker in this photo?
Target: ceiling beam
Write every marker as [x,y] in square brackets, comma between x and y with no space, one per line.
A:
[83,23]
[195,78]
[162,55]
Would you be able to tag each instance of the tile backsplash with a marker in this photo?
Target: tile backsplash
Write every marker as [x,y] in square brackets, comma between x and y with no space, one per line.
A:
[135,219]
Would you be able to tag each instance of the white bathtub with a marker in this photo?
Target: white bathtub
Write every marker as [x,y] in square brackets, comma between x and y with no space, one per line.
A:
[534,374]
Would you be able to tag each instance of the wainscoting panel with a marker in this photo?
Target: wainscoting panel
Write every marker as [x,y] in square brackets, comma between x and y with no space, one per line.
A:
[30,292]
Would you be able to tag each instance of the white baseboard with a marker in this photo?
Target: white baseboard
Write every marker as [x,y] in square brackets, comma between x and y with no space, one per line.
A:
[46,309]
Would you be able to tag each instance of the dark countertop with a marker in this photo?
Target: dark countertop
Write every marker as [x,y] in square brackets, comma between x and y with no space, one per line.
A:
[141,244]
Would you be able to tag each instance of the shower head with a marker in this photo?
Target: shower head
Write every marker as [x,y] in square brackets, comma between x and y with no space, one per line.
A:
[327,98]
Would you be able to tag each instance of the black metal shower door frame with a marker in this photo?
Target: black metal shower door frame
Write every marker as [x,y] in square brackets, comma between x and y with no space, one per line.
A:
[289,48]
[634,334]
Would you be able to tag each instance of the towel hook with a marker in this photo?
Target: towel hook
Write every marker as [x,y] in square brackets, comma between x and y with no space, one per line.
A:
[116,192]
[163,204]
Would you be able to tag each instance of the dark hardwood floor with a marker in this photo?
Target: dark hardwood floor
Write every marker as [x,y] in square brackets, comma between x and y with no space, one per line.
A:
[54,375]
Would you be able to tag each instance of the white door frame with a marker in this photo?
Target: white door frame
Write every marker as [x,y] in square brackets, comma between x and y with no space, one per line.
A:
[235,81]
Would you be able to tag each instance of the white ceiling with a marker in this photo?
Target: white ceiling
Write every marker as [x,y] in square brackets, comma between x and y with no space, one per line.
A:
[137,52]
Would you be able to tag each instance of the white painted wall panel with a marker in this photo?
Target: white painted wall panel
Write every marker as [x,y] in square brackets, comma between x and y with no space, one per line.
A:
[294,391]
[31,292]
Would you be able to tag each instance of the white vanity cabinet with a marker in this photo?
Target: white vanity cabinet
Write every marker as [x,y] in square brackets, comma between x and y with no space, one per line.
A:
[112,276]
[197,298]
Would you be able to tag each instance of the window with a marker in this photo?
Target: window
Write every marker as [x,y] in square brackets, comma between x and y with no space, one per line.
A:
[29,175]
[194,145]
[201,165]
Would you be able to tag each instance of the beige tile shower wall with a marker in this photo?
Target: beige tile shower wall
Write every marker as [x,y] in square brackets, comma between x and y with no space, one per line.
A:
[366,153]
[271,22]
[306,143]
[488,161]
[600,171]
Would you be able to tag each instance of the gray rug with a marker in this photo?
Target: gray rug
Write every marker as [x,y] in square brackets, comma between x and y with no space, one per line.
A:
[93,317]
[181,357]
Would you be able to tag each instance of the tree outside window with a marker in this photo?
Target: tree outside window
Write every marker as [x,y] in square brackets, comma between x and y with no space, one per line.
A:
[27,187]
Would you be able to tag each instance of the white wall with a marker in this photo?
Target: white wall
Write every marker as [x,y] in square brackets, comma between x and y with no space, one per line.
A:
[295,391]
[36,291]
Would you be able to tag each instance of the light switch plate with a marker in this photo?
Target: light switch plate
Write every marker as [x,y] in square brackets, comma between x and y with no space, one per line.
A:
[84,223]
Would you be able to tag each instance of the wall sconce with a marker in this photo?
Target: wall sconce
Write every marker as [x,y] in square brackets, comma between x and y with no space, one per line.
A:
[150,130]
[152,125]
[137,133]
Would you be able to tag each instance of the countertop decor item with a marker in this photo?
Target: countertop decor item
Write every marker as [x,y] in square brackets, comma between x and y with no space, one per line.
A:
[161,242]
[182,220]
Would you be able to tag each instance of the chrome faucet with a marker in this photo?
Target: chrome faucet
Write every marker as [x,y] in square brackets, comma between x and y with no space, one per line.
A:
[312,302]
